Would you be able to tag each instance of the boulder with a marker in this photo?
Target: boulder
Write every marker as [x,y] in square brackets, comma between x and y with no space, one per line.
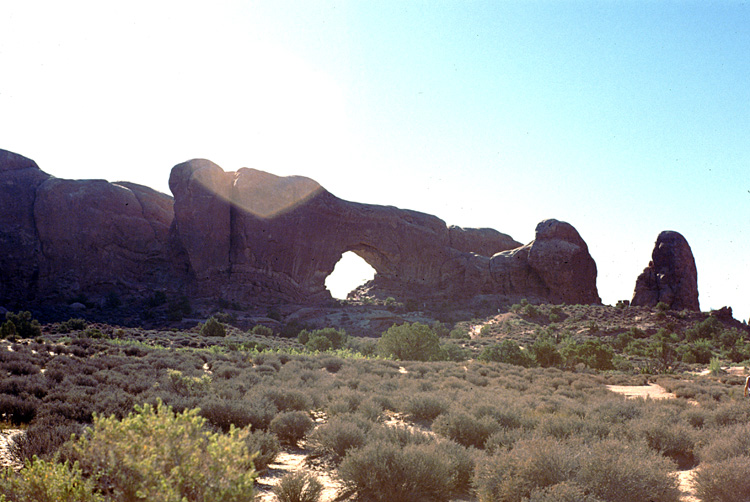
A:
[555,267]
[670,277]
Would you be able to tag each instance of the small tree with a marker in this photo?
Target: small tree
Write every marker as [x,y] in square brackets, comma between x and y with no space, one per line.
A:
[508,352]
[212,327]
[410,342]
[25,326]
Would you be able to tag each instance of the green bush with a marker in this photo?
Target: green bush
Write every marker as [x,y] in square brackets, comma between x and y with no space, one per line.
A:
[707,329]
[410,342]
[592,353]
[186,385]
[212,327]
[298,487]
[261,330]
[545,353]
[507,352]
[323,339]
[41,481]
[291,426]
[155,454]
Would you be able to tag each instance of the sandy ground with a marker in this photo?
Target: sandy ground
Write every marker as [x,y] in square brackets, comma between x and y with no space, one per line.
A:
[6,437]
[651,390]
[288,462]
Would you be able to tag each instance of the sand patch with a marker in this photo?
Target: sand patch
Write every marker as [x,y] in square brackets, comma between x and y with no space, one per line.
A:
[652,390]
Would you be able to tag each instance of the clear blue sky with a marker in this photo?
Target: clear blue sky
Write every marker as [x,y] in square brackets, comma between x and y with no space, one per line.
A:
[622,118]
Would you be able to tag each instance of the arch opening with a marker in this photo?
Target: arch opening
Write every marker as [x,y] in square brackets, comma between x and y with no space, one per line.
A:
[350,272]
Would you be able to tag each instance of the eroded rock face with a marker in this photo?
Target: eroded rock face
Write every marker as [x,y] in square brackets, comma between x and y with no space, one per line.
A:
[59,238]
[670,277]
[556,267]
[253,237]
[287,234]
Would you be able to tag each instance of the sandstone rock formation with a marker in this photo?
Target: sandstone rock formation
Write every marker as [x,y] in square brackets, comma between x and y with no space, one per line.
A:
[60,238]
[671,276]
[250,236]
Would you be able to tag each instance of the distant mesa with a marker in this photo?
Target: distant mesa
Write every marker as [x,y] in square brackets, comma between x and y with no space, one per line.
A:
[670,277]
[251,236]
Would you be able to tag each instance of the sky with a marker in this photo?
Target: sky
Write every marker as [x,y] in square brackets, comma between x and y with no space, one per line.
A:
[623,118]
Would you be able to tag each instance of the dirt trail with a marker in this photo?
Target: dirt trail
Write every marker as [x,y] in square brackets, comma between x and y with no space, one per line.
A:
[6,437]
[288,462]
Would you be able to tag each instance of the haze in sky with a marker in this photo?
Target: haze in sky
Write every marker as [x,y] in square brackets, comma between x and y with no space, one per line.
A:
[622,118]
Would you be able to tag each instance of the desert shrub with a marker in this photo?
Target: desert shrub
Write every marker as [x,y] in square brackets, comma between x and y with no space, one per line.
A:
[212,327]
[507,352]
[730,413]
[291,426]
[616,471]
[399,435]
[592,353]
[339,435]
[23,324]
[43,438]
[187,385]
[261,330]
[323,339]
[532,464]
[545,353]
[425,406]
[42,481]
[465,429]
[156,454]
[384,472]
[460,462]
[567,491]
[725,443]
[18,410]
[723,481]
[697,351]
[410,342]
[612,471]
[676,441]
[453,352]
[225,413]
[288,399]
[709,328]
[298,487]
[8,331]
[459,334]
[265,447]
[72,324]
